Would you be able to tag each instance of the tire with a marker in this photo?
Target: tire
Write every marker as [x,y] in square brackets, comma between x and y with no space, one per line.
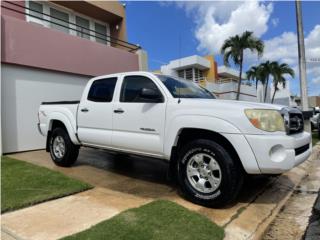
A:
[219,164]
[70,154]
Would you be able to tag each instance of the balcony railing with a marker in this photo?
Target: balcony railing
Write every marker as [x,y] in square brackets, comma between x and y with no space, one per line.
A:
[75,27]
[200,80]
[233,80]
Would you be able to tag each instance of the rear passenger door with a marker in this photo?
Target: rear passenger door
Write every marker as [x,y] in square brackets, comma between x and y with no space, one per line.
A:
[95,113]
[138,124]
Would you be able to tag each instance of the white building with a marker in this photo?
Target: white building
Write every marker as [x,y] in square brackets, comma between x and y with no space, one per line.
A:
[222,81]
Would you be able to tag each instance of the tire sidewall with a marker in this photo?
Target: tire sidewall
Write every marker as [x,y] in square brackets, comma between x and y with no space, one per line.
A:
[59,132]
[221,158]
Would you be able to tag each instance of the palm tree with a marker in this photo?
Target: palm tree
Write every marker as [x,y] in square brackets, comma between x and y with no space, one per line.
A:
[254,73]
[267,70]
[278,79]
[234,48]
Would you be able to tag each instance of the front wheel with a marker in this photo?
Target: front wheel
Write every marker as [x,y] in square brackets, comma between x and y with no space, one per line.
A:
[207,173]
[63,152]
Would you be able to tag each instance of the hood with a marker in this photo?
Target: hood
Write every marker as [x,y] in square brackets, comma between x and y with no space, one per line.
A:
[229,104]
[227,110]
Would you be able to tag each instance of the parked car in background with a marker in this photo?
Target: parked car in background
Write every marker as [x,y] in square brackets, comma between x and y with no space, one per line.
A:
[315,120]
[210,144]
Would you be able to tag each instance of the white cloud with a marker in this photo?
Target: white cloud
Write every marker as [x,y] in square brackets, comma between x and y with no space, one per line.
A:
[216,21]
[284,48]
[275,21]
[316,80]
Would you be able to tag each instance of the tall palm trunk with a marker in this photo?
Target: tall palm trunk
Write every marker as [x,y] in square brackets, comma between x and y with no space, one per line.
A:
[266,89]
[240,76]
[274,93]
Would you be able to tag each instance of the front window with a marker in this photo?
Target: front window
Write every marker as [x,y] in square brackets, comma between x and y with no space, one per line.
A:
[180,88]
[132,86]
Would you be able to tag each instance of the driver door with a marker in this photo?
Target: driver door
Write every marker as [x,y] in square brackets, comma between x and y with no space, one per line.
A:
[138,124]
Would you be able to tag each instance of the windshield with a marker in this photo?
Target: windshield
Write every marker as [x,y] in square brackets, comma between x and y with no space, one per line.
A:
[184,89]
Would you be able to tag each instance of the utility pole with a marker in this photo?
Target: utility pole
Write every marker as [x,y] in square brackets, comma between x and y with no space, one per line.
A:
[302,64]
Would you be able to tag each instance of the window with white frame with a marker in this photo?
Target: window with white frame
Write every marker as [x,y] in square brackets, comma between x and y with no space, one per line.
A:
[66,20]
[198,74]
[63,24]
[189,74]
[181,73]
[192,74]
[83,26]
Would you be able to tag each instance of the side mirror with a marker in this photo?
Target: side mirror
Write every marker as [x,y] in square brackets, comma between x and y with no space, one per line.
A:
[151,95]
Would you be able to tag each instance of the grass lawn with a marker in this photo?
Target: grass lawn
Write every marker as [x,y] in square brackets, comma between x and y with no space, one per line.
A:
[315,138]
[154,221]
[24,184]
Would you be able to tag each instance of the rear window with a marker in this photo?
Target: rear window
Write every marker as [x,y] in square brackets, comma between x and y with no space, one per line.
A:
[102,90]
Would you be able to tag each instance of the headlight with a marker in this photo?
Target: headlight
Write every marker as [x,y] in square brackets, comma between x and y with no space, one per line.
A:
[264,119]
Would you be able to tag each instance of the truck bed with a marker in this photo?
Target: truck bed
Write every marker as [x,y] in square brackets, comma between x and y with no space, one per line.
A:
[60,102]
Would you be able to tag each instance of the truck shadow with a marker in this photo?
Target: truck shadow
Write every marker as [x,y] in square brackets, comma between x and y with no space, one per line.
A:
[147,177]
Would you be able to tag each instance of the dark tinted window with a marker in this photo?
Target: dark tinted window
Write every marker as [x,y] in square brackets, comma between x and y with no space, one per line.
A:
[102,90]
[131,88]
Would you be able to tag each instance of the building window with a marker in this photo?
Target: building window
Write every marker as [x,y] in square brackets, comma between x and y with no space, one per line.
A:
[84,25]
[189,74]
[37,11]
[198,74]
[101,33]
[66,20]
[181,74]
[61,25]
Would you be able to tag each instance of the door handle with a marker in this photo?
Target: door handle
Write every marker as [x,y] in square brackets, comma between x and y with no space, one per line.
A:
[84,110]
[119,110]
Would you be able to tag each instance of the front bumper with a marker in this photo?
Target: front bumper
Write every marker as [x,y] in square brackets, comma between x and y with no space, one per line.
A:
[279,153]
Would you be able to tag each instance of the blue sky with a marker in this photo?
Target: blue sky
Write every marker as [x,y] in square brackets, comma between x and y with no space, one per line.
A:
[202,27]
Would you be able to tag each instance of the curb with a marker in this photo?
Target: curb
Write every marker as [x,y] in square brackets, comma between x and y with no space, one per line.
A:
[264,228]
[255,220]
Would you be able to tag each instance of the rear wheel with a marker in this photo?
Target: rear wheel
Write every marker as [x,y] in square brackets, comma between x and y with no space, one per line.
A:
[207,173]
[62,150]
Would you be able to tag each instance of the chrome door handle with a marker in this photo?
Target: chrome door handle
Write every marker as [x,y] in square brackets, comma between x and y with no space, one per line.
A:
[84,110]
[119,110]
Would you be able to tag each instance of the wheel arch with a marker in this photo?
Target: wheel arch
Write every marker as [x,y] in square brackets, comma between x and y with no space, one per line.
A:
[64,124]
[186,135]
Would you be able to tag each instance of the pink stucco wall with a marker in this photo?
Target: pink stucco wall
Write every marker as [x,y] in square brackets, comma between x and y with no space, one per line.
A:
[7,12]
[33,45]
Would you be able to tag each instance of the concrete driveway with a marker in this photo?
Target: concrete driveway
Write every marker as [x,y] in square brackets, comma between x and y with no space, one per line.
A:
[132,181]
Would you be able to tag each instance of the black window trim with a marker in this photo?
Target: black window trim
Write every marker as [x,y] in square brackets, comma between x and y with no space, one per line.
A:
[122,86]
[101,79]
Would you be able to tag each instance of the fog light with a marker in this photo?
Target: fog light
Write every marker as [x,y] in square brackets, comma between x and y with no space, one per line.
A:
[277,153]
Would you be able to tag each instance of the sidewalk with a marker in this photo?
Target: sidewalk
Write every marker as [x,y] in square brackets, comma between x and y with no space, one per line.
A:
[65,216]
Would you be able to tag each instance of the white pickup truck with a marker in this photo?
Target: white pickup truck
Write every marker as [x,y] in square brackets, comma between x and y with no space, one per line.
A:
[209,143]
